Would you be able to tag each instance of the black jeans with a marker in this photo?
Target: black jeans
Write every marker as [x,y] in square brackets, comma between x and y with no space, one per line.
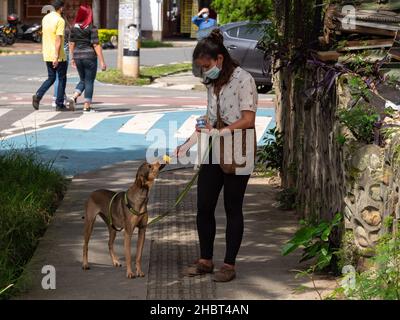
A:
[87,69]
[210,182]
[61,71]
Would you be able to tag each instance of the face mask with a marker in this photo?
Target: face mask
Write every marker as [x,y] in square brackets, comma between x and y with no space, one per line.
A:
[213,73]
[205,15]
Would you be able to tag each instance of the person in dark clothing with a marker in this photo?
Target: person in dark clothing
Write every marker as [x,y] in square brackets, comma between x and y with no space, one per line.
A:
[84,50]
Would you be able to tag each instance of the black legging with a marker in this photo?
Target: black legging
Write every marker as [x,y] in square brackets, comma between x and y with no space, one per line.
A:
[210,182]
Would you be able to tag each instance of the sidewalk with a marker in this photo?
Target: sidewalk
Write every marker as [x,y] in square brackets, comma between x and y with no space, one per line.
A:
[24,47]
[181,81]
[171,244]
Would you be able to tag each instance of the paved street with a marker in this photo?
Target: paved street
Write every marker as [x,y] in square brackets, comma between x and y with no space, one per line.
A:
[121,129]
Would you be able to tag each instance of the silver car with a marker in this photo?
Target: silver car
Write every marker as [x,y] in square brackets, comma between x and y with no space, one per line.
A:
[243,40]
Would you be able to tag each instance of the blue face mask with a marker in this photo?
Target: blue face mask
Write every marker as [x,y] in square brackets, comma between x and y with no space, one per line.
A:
[205,15]
[213,73]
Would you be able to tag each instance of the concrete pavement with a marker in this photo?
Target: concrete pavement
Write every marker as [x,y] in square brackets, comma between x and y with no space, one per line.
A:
[171,244]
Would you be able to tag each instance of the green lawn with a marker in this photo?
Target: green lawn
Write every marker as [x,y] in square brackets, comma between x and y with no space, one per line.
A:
[155,44]
[30,192]
[147,74]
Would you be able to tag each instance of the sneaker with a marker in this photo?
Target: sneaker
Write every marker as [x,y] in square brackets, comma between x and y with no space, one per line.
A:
[71,104]
[88,110]
[35,102]
[53,104]
[62,109]
[225,274]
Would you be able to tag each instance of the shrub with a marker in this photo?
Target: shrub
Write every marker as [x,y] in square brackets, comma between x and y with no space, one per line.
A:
[29,193]
[106,34]
[360,120]
[271,154]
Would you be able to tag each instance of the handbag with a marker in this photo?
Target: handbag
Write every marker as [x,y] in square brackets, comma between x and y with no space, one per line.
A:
[231,166]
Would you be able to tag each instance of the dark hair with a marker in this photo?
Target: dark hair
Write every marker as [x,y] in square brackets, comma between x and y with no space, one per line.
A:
[211,47]
[57,4]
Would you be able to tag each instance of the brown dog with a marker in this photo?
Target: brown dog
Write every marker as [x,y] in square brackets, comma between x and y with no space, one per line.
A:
[125,210]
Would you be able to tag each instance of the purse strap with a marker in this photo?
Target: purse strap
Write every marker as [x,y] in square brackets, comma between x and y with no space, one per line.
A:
[220,123]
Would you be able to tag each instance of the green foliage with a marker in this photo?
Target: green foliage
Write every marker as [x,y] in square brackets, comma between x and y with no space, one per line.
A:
[360,120]
[240,10]
[348,254]
[29,193]
[341,139]
[313,238]
[358,88]
[155,44]
[271,154]
[106,34]
[147,74]
[382,281]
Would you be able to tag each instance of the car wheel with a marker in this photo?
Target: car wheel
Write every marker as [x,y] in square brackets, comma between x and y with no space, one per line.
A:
[264,88]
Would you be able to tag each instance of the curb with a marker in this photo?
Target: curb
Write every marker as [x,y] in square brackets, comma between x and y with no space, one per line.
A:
[20,53]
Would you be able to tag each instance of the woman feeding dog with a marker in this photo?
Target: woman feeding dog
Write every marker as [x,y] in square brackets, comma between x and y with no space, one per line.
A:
[232,106]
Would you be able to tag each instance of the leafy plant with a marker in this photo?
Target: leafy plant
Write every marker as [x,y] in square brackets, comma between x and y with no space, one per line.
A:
[313,238]
[382,281]
[360,120]
[271,154]
[358,87]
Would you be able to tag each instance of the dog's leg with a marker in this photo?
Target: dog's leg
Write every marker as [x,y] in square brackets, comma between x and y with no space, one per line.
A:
[114,258]
[90,218]
[128,257]
[139,251]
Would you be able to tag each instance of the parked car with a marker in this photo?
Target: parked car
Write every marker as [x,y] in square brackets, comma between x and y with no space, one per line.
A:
[243,40]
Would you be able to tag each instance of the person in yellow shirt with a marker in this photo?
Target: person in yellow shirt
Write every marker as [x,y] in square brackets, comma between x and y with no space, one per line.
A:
[53,28]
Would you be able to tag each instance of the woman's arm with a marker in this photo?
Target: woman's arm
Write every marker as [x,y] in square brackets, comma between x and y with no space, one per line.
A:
[71,53]
[247,121]
[99,52]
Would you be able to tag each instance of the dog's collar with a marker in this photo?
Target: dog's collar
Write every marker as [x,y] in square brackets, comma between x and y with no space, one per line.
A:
[129,206]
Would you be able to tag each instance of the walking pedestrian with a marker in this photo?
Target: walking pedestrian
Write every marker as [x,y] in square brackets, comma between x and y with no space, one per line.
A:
[232,100]
[84,51]
[53,26]
[66,49]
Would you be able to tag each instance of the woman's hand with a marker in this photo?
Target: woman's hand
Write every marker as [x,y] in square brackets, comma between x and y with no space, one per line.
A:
[207,128]
[73,63]
[180,150]
[103,66]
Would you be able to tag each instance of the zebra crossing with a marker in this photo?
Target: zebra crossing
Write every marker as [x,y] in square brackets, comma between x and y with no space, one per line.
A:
[139,123]
[74,142]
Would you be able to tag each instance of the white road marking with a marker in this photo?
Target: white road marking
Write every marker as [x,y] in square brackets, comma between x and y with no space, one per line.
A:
[4,111]
[262,124]
[35,119]
[187,128]
[198,106]
[88,120]
[141,123]
[187,97]
[4,98]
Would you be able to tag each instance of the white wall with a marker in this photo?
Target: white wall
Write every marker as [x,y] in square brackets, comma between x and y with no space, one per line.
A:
[151,15]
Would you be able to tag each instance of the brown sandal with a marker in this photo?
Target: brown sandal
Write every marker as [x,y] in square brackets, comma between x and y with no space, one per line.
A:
[225,274]
[197,269]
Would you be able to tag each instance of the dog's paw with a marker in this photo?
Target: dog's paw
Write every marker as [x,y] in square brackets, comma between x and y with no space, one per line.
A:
[130,275]
[139,273]
[85,267]
[117,264]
